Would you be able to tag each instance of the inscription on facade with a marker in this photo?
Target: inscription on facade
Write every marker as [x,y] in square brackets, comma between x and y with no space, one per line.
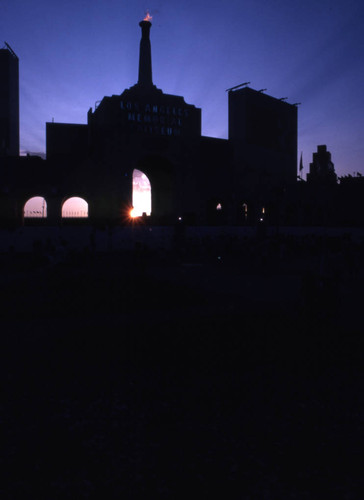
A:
[155,119]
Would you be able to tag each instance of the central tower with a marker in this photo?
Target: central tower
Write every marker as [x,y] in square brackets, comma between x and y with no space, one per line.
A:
[145,56]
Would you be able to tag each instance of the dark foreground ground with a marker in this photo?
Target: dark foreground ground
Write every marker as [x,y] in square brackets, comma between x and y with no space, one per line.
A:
[191,376]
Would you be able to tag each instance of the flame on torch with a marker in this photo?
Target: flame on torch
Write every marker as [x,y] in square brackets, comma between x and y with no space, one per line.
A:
[148,17]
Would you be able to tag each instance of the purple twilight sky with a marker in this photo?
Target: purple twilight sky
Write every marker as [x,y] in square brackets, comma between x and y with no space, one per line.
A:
[72,53]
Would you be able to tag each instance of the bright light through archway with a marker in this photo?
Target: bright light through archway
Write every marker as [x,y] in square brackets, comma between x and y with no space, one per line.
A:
[142,194]
[35,207]
[75,207]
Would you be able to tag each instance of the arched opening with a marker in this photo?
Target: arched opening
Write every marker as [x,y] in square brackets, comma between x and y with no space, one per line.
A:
[216,211]
[164,198]
[35,207]
[262,215]
[142,194]
[75,207]
[245,211]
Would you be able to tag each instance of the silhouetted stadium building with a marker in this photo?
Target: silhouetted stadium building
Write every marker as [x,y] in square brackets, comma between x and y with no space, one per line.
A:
[203,180]
[263,131]
[9,102]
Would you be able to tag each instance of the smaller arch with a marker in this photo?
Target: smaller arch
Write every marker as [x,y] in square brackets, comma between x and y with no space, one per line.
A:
[245,212]
[216,210]
[75,207]
[35,207]
[262,215]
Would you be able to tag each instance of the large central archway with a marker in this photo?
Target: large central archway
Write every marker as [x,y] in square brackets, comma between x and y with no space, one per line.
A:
[160,173]
[142,194]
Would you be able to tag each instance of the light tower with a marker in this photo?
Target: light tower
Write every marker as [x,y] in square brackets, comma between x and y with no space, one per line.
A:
[145,55]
